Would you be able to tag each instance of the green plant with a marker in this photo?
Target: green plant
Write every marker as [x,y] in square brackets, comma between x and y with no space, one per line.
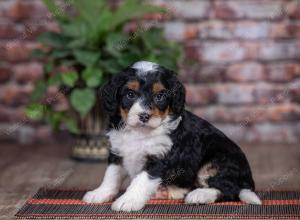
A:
[90,47]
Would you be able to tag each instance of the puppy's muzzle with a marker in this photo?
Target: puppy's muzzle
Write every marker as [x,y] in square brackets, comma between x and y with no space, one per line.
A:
[144,117]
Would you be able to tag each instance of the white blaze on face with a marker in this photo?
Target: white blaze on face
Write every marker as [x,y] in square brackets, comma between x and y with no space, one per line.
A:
[144,67]
[133,114]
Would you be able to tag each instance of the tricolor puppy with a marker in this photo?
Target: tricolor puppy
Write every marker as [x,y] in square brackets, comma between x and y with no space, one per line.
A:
[155,141]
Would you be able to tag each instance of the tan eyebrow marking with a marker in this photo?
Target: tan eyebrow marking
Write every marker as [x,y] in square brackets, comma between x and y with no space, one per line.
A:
[162,114]
[157,87]
[124,113]
[134,85]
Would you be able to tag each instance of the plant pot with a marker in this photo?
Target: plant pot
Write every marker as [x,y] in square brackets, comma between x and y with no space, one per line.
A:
[91,144]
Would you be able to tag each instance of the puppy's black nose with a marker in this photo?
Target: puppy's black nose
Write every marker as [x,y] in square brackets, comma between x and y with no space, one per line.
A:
[144,117]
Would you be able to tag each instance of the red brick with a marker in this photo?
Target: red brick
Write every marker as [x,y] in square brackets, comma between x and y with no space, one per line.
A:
[5,114]
[286,29]
[34,29]
[280,30]
[188,9]
[13,95]
[213,29]
[222,52]
[5,73]
[191,51]
[272,133]
[244,72]
[267,132]
[266,93]
[293,29]
[28,72]
[191,31]
[178,30]
[233,94]
[252,30]
[234,131]
[248,115]
[293,9]
[197,73]
[255,9]
[228,51]
[16,50]
[289,49]
[199,95]
[248,30]
[283,72]
[175,30]
[294,90]
[5,6]
[27,9]
[9,30]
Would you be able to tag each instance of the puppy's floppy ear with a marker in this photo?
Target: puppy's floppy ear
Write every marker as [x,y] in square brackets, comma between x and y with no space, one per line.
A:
[109,93]
[177,95]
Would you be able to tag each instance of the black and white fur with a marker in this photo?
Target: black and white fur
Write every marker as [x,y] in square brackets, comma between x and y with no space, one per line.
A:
[155,141]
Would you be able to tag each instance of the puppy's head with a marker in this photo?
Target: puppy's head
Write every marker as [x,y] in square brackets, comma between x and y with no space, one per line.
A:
[144,95]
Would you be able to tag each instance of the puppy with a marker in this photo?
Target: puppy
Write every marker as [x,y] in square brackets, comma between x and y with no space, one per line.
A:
[156,142]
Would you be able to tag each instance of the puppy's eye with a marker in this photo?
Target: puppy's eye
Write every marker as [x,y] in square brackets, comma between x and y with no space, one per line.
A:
[131,94]
[159,97]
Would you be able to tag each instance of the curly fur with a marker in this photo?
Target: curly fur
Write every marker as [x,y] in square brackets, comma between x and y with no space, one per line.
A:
[181,150]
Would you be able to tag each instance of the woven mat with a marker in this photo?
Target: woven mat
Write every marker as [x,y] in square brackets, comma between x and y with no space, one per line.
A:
[58,204]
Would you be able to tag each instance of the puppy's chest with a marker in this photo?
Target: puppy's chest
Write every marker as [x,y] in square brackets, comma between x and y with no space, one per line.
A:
[135,146]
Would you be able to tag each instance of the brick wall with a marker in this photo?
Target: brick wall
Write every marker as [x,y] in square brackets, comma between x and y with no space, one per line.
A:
[241,72]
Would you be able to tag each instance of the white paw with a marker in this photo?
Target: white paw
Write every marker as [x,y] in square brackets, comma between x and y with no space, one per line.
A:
[202,196]
[128,203]
[98,196]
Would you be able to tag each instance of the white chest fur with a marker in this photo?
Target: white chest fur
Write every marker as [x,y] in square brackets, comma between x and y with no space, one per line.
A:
[134,145]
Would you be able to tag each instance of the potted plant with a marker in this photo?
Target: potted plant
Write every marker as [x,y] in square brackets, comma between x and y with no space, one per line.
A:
[90,47]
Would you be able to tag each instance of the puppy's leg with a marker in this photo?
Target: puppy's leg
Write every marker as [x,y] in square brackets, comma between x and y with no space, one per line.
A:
[175,192]
[203,196]
[109,187]
[137,194]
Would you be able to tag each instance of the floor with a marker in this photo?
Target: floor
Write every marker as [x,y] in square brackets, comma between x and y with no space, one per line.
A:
[24,169]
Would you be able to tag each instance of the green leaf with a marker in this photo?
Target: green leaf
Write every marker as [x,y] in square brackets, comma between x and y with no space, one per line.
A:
[55,10]
[49,67]
[83,100]
[55,80]
[92,77]
[90,9]
[38,54]
[53,39]
[153,38]
[103,23]
[87,58]
[69,78]
[133,9]
[127,58]
[35,111]
[54,118]
[111,66]
[115,43]
[39,90]
[78,43]
[58,54]
[72,126]
[74,29]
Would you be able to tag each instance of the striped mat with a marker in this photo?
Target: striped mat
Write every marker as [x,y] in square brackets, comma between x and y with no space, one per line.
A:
[67,204]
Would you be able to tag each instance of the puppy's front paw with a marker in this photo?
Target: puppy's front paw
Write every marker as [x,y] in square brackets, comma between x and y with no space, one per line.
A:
[202,196]
[128,203]
[97,196]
